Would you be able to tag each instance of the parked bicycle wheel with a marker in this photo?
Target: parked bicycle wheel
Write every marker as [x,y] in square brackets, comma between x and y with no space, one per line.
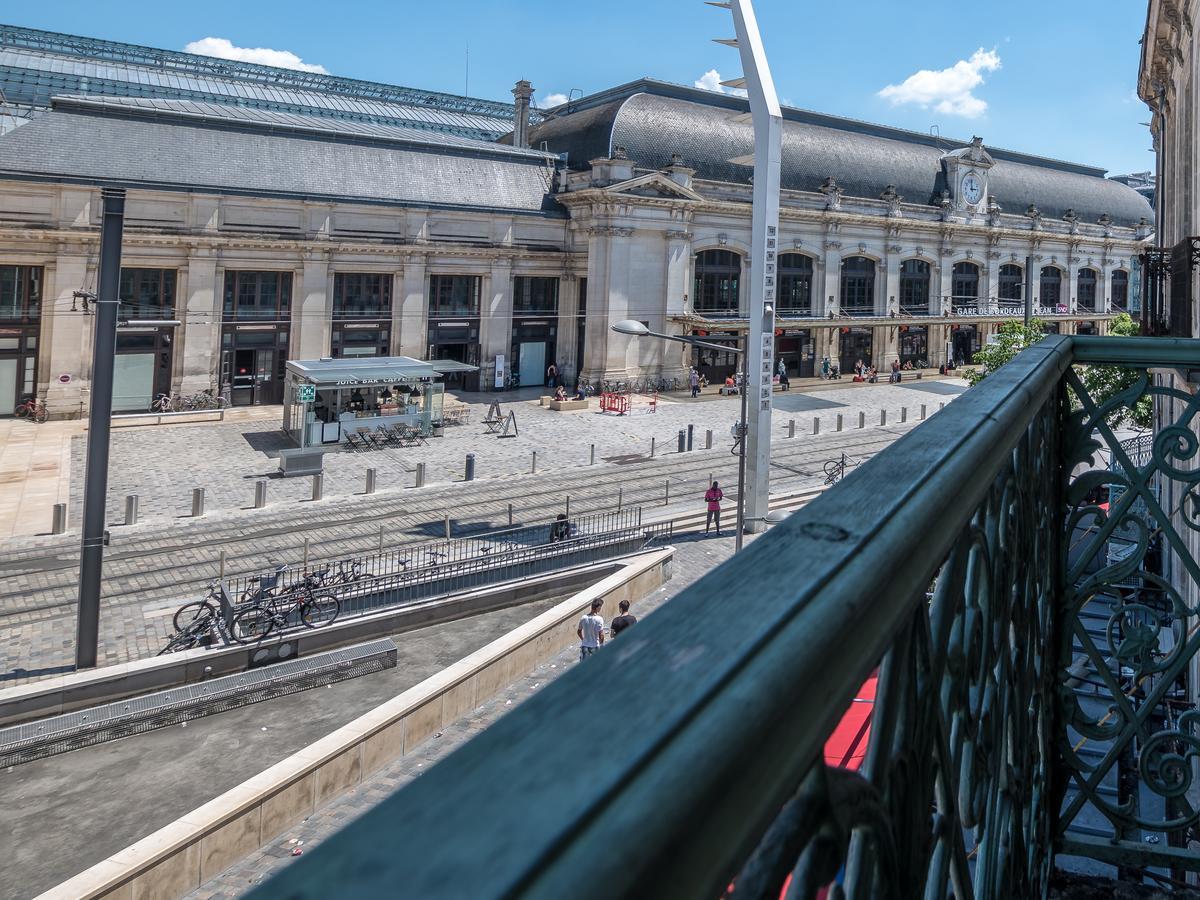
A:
[251,625]
[191,613]
[320,610]
[40,413]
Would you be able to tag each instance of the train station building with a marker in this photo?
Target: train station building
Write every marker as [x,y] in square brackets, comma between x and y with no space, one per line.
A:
[289,215]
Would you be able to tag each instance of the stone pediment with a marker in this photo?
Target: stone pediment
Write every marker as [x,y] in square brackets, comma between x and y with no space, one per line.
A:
[655,185]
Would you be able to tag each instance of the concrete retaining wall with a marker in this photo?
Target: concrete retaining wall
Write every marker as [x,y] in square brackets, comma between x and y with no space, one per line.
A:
[178,858]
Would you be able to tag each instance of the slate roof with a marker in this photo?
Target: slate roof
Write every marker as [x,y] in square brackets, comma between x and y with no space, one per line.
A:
[653,119]
[87,142]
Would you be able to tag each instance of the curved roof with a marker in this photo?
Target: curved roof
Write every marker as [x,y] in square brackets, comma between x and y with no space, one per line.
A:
[652,120]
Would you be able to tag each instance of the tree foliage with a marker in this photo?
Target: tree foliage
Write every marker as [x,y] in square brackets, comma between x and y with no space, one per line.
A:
[1105,382]
[1012,337]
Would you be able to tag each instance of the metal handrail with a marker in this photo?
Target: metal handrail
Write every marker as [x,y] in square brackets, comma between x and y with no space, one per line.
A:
[682,747]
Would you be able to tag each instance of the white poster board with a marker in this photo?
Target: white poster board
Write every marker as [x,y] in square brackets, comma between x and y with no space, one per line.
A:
[500,372]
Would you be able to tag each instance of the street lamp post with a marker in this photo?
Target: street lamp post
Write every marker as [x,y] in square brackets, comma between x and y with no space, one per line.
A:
[637,329]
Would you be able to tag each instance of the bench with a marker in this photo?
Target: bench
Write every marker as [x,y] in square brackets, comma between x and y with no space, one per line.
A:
[563,405]
[911,375]
[304,461]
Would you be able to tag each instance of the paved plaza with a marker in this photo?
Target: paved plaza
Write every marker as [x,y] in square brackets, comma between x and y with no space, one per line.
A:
[161,464]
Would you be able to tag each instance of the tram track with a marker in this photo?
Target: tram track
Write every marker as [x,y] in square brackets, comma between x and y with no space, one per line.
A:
[149,568]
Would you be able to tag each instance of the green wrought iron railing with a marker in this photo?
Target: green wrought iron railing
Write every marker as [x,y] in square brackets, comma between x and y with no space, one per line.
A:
[1031,701]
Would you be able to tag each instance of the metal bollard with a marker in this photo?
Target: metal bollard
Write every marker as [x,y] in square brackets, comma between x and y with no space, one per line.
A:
[862,420]
[816,424]
[510,515]
[883,417]
[420,475]
[620,496]
[533,464]
[260,495]
[221,567]
[708,439]
[904,414]
[667,494]
[652,448]
[469,475]
[568,509]
[838,425]
[305,563]
[370,481]
[59,525]
[592,461]
[447,523]
[682,441]
[792,428]
[198,499]
[380,550]
[922,411]
[131,509]
[318,485]
[689,444]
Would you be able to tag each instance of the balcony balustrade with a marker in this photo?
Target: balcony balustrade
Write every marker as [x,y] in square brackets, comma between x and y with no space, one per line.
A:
[1030,707]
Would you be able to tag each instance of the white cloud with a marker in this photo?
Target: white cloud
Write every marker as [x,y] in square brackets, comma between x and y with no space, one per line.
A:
[949,90]
[551,100]
[711,81]
[225,49]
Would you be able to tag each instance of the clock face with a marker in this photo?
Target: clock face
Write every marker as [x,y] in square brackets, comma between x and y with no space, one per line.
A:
[972,188]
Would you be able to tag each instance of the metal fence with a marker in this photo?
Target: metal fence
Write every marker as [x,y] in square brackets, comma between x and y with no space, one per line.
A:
[413,573]
[704,730]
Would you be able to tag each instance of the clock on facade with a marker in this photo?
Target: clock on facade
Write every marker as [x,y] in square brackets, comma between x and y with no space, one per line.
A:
[972,188]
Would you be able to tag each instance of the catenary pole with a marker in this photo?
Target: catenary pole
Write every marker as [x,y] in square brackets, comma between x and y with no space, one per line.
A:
[764,239]
[95,490]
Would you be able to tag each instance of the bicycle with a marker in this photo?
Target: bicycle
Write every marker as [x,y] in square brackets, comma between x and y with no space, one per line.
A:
[198,610]
[256,621]
[32,409]
[346,573]
[268,587]
[197,634]
[162,403]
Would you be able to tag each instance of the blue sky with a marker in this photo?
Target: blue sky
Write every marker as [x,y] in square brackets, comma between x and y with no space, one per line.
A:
[1053,77]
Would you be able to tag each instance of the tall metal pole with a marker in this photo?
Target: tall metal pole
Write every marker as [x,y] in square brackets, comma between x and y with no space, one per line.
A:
[95,486]
[741,503]
[768,138]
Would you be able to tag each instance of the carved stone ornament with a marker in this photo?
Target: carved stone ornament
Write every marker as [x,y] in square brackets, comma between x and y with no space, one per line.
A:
[619,153]
[895,248]
[833,193]
[892,199]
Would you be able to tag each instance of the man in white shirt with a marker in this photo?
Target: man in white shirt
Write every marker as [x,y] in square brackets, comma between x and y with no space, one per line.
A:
[591,631]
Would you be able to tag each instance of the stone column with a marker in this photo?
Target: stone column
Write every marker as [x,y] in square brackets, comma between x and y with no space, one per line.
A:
[65,337]
[1071,283]
[830,298]
[891,285]
[991,276]
[608,301]
[885,347]
[938,335]
[678,287]
[410,311]
[495,326]
[312,309]
[201,331]
[943,277]
[568,326]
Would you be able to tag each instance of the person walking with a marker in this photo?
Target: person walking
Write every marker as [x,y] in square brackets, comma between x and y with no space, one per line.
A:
[713,497]
[624,620]
[895,379]
[591,631]
[783,376]
[694,381]
[552,375]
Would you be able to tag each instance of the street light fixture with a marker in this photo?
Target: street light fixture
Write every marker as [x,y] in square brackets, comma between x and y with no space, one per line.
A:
[633,328]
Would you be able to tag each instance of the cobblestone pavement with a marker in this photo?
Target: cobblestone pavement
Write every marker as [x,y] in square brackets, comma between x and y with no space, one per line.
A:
[695,556]
[163,464]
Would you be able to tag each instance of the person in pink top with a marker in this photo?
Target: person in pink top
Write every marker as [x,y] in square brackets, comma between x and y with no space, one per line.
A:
[713,497]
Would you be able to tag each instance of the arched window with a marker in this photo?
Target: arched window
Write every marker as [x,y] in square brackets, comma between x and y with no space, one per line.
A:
[964,287]
[1012,280]
[795,284]
[858,286]
[914,287]
[1120,290]
[1087,289]
[715,291]
[1051,286]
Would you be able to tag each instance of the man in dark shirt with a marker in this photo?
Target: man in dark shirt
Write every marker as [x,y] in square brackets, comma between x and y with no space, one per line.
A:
[624,620]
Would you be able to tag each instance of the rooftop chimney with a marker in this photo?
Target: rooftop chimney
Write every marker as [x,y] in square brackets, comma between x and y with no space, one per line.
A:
[522,92]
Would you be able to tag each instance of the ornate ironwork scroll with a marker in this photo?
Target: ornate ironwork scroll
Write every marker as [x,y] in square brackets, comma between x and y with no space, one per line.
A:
[952,799]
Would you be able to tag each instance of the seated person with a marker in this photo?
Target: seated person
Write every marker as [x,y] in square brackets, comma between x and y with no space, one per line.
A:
[560,393]
[872,375]
[730,386]
[560,529]
[579,394]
